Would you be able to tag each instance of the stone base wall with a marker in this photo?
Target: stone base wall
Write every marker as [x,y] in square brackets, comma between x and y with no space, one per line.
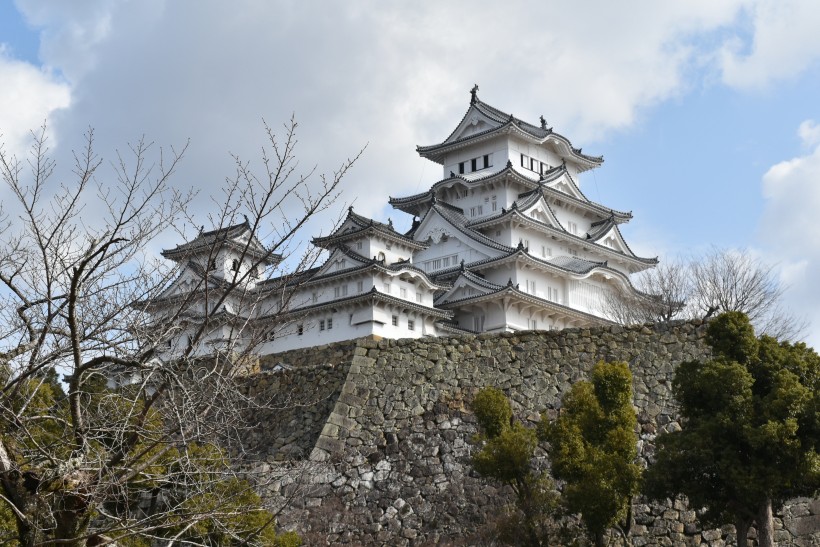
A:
[392,441]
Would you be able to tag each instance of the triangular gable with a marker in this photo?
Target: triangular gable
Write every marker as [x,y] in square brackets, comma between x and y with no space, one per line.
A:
[465,287]
[338,261]
[436,227]
[565,186]
[613,239]
[542,212]
[474,122]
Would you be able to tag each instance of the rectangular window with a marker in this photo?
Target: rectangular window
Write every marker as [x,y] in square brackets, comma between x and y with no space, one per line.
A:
[411,325]
[573,252]
[395,320]
[322,324]
[359,245]
[330,323]
[532,324]
[497,232]
[350,319]
[461,168]
[533,164]
[531,286]
[360,286]
[455,260]
[387,288]
[478,323]
[446,261]
[572,227]
[403,292]
[524,160]
[474,164]
[487,199]
[300,329]
[418,297]
[314,297]
[472,211]
[480,209]
[340,291]
[486,161]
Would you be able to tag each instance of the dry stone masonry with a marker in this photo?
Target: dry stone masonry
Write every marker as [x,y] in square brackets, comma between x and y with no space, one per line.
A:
[386,432]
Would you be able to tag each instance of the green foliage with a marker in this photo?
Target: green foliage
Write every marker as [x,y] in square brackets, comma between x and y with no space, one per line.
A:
[492,410]
[186,483]
[731,335]
[750,434]
[506,455]
[594,447]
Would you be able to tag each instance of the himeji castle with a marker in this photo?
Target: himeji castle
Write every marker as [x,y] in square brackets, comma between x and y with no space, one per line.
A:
[504,241]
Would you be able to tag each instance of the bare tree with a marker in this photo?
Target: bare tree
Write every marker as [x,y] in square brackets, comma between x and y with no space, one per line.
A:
[718,281]
[728,280]
[82,463]
[662,294]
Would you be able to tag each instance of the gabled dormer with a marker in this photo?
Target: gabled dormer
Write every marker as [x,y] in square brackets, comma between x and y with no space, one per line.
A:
[228,253]
[371,239]
[488,137]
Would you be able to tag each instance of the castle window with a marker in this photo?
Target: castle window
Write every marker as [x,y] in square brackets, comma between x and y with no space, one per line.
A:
[573,252]
[235,265]
[572,227]
[340,291]
[474,164]
[495,204]
[478,323]
[329,323]
[418,297]
[300,329]
[524,161]
[411,325]
[497,232]
[403,292]
[314,297]
[255,272]
[532,324]
[387,288]
[212,265]
[360,286]
[395,320]
[359,245]
[461,168]
[533,164]
[486,161]
[322,324]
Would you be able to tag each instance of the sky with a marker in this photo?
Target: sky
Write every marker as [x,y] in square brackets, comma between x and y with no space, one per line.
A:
[707,113]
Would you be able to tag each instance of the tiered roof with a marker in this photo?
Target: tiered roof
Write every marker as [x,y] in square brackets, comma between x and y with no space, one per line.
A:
[356,226]
[502,123]
[238,237]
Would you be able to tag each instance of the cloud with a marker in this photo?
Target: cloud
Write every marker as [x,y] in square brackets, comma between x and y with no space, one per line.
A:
[28,96]
[782,41]
[809,133]
[791,190]
[391,75]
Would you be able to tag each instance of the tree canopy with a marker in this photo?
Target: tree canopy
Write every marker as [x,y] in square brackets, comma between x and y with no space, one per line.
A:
[750,428]
[593,448]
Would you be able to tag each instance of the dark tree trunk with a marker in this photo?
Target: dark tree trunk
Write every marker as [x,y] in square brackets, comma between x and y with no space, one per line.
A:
[765,525]
[742,531]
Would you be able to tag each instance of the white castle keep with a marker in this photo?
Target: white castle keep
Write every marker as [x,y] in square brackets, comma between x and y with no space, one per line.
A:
[505,241]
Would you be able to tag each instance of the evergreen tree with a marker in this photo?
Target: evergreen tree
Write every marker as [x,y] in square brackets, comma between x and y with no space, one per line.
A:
[594,448]
[506,455]
[751,429]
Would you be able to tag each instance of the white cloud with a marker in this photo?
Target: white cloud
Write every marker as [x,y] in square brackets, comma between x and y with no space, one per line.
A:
[783,42]
[809,133]
[28,96]
[394,76]
[789,228]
